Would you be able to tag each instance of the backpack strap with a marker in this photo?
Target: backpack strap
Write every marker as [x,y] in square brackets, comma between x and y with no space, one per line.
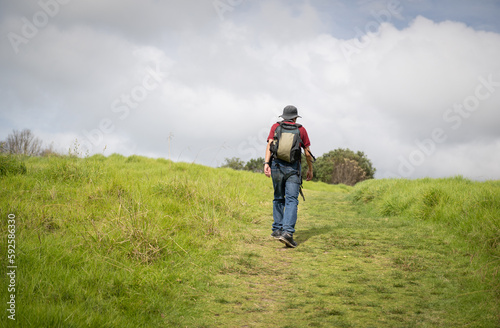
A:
[290,123]
[287,175]
[301,193]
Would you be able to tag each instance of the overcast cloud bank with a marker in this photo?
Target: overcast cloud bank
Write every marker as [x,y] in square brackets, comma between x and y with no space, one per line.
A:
[418,96]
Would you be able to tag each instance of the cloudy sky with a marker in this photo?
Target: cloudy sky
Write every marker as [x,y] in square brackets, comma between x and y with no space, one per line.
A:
[414,84]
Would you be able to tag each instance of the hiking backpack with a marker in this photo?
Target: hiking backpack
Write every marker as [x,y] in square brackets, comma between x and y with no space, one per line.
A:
[286,142]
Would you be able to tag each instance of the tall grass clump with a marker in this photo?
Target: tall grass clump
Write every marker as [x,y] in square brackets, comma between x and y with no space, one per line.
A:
[11,164]
[121,241]
[471,210]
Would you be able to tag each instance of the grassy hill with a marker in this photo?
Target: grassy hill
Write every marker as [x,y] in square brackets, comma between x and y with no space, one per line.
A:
[120,241]
[137,242]
[470,209]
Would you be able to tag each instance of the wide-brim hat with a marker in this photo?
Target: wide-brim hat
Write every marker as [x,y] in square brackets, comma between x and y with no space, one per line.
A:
[290,112]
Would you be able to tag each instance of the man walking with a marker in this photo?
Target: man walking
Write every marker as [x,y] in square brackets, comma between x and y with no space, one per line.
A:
[282,163]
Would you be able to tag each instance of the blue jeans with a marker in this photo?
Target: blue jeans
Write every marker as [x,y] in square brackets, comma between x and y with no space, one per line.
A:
[286,183]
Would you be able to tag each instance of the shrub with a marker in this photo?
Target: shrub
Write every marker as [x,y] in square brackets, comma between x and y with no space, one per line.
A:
[23,143]
[347,171]
[255,165]
[343,166]
[234,163]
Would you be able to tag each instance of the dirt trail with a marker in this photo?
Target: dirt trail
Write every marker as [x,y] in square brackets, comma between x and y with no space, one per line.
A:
[348,271]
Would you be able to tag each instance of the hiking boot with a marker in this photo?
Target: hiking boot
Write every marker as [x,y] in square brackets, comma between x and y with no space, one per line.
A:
[287,239]
[276,234]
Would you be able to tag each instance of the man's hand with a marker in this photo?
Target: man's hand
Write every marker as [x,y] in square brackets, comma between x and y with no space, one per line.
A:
[309,175]
[267,170]
[309,159]
[267,159]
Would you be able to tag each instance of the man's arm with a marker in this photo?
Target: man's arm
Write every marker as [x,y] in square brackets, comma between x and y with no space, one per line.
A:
[267,159]
[309,159]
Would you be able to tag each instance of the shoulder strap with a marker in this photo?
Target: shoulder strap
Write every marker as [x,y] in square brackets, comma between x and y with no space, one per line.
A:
[290,124]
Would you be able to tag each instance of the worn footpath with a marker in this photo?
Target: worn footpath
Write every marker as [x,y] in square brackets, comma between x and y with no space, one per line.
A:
[349,270]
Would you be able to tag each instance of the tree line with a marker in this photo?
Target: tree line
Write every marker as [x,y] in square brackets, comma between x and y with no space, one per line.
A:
[339,166]
[25,143]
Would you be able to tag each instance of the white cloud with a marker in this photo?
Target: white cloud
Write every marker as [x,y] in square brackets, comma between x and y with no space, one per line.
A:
[221,83]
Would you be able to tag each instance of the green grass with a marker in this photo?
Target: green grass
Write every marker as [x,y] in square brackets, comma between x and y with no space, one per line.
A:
[137,242]
[11,165]
[120,241]
[469,209]
[352,270]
